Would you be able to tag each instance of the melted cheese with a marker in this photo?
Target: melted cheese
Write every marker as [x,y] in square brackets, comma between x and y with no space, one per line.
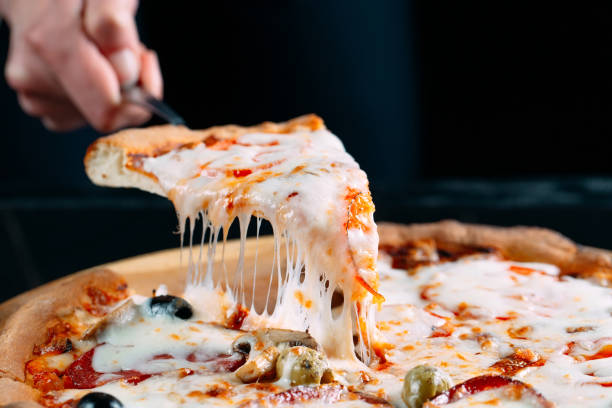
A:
[462,317]
[317,200]
[135,344]
[490,309]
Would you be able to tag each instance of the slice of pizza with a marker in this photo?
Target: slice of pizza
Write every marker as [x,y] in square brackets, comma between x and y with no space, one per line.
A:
[297,176]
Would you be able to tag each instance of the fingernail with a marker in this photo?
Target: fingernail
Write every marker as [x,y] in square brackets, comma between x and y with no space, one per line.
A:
[126,65]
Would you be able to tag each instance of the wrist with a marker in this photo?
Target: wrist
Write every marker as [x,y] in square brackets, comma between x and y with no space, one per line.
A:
[4,10]
[7,10]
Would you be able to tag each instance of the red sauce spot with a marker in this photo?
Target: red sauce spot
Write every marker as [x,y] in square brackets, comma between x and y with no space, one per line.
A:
[292,195]
[134,377]
[241,172]
[604,352]
[162,357]
[569,348]
[237,318]
[605,384]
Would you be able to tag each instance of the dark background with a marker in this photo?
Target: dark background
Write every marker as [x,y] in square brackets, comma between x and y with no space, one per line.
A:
[492,112]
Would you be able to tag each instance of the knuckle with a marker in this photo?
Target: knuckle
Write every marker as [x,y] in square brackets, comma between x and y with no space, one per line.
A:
[37,38]
[28,108]
[17,76]
[105,28]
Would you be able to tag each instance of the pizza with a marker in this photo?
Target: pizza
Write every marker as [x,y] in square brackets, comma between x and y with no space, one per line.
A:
[349,314]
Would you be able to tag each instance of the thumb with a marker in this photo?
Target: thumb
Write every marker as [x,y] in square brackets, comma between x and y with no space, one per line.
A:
[110,25]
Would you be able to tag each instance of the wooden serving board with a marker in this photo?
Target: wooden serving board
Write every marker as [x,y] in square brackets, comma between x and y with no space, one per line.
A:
[169,267]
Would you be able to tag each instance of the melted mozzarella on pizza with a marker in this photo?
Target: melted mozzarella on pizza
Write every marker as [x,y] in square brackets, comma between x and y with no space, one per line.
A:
[316,198]
[485,316]
[472,317]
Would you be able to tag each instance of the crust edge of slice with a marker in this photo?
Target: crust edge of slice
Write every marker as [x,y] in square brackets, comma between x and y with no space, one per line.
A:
[15,394]
[28,325]
[519,243]
[107,161]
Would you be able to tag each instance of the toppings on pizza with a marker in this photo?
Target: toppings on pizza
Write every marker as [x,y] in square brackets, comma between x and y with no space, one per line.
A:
[422,383]
[98,400]
[511,391]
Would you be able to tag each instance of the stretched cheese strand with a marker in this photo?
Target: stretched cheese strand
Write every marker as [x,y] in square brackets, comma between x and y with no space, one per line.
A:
[318,202]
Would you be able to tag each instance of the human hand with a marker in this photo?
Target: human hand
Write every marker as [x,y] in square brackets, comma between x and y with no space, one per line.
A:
[68,59]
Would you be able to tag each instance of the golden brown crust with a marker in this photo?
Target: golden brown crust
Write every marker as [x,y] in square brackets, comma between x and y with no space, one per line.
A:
[27,327]
[115,160]
[17,394]
[525,244]
[157,140]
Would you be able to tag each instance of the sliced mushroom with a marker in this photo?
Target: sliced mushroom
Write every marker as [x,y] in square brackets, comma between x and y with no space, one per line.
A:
[260,339]
[263,347]
[259,367]
[120,313]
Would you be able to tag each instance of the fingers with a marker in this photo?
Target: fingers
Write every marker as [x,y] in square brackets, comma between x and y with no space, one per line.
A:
[110,25]
[67,63]
[150,74]
[57,115]
[26,72]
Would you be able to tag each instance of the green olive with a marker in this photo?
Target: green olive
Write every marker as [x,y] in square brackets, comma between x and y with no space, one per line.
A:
[301,365]
[422,383]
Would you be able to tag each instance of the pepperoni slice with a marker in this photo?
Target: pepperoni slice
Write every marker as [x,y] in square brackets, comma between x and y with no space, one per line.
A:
[490,382]
[81,374]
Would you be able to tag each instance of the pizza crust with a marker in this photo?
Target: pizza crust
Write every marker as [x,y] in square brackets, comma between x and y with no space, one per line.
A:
[107,159]
[17,394]
[28,326]
[523,244]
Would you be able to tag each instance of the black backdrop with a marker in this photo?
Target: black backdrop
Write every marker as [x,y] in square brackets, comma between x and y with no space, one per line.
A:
[491,112]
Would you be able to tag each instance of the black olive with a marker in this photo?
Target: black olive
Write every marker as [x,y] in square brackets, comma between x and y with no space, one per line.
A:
[171,305]
[99,400]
